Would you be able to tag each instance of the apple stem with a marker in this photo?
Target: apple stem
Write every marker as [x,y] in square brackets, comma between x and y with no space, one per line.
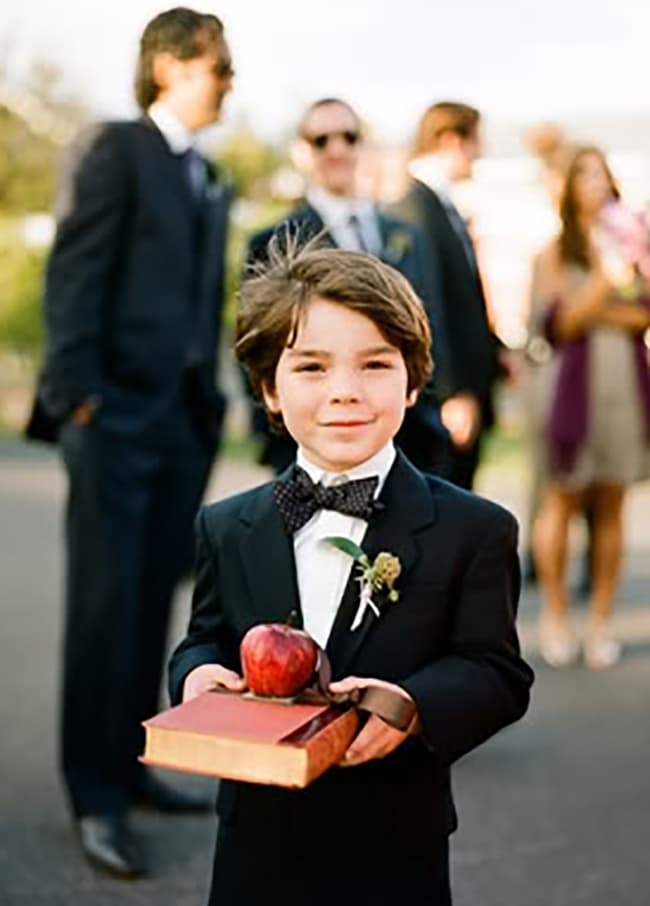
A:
[292,619]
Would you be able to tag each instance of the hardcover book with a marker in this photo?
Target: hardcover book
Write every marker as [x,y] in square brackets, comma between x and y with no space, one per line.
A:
[241,738]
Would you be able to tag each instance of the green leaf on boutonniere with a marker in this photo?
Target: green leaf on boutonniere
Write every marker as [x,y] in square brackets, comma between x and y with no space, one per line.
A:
[347,546]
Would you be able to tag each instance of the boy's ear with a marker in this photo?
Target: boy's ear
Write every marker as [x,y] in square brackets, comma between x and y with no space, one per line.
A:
[411,398]
[271,399]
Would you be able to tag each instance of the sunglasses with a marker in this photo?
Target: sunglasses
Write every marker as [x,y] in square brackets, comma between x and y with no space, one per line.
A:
[321,140]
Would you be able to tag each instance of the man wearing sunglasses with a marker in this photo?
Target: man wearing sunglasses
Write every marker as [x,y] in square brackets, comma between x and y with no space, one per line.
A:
[133,306]
[328,151]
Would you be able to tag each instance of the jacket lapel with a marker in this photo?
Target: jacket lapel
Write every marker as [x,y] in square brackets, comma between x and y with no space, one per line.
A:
[171,171]
[309,224]
[268,561]
[408,507]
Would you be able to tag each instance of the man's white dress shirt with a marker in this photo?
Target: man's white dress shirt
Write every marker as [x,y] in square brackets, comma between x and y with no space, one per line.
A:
[179,138]
[321,569]
[338,214]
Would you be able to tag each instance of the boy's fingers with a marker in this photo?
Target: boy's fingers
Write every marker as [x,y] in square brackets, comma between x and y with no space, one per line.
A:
[229,679]
[375,740]
[348,684]
[210,676]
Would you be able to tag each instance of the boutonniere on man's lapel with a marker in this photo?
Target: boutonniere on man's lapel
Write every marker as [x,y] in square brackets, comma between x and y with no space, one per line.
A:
[215,182]
[377,579]
[398,243]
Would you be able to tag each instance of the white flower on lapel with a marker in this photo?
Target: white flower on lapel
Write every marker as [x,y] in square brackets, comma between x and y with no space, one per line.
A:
[378,577]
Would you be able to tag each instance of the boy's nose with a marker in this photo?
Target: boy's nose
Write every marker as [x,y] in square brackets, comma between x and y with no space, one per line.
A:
[344,387]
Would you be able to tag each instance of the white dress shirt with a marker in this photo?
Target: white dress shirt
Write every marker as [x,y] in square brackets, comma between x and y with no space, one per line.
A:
[322,570]
[336,212]
[179,138]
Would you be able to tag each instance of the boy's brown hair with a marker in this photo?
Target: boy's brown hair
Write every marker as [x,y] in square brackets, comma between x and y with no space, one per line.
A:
[272,302]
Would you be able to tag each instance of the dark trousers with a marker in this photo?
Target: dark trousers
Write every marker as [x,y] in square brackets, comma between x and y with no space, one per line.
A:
[129,538]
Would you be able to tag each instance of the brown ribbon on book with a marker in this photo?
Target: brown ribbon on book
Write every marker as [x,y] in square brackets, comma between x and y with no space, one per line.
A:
[395,709]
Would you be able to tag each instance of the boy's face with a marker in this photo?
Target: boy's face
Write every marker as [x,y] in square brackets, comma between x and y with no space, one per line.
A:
[341,388]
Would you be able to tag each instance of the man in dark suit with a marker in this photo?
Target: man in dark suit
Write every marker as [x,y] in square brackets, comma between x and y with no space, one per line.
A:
[327,149]
[447,144]
[133,308]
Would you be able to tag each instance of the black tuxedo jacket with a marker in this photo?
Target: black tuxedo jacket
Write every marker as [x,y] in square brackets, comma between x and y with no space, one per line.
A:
[404,248]
[135,282]
[449,640]
[469,359]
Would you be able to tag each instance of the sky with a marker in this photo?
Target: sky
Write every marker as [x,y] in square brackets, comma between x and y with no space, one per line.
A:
[517,60]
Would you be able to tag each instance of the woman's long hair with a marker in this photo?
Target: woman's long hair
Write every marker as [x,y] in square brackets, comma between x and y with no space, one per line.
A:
[573,241]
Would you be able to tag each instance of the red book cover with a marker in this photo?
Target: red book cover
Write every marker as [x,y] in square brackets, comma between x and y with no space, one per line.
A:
[243,738]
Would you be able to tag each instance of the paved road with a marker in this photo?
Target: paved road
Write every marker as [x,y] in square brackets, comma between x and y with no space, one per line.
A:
[554,812]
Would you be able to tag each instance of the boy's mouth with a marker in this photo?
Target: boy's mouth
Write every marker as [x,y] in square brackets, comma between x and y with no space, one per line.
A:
[356,423]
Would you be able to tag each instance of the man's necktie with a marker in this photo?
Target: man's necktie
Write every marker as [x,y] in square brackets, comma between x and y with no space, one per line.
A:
[299,498]
[355,225]
[194,172]
[460,228]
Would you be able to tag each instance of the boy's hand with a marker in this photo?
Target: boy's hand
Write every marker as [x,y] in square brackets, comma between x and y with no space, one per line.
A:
[210,676]
[377,739]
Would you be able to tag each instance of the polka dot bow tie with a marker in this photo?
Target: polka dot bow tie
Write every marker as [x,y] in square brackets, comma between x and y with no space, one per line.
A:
[299,498]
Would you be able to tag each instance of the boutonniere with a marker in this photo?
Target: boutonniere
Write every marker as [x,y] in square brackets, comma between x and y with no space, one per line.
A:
[397,245]
[377,579]
[217,182]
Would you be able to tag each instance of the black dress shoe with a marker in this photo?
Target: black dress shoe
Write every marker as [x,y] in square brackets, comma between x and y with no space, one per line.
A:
[109,846]
[157,796]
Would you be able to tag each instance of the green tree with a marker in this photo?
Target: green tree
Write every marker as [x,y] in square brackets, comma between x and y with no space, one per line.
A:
[249,162]
[37,118]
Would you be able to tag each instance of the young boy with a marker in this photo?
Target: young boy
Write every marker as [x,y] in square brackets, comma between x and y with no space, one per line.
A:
[337,344]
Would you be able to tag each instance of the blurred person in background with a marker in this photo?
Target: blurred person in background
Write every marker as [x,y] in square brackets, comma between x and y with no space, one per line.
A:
[327,150]
[447,144]
[591,288]
[133,308]
[549,144]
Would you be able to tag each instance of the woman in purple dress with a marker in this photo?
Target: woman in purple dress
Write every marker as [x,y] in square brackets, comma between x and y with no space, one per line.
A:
[591,292]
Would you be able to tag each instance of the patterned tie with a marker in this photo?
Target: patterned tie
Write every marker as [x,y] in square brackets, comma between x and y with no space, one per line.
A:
[299,498]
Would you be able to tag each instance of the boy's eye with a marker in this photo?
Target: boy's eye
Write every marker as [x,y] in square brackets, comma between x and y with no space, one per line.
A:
[309,366]
[375,364]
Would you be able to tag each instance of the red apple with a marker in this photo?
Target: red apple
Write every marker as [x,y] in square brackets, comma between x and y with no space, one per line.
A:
[277,659]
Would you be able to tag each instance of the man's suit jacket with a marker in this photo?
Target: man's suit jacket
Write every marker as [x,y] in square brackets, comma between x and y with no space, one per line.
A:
[469,360]
[404,248]
[449,640]
[135,283]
